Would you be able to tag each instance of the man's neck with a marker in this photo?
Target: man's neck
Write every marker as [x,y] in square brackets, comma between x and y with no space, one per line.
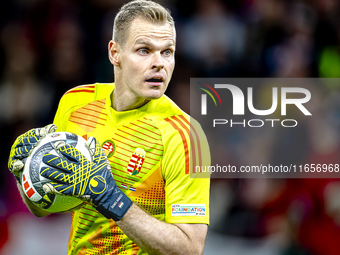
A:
[122,101]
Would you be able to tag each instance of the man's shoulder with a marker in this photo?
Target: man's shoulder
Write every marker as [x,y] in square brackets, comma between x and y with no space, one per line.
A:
[164,108]
[169,117]
[84,94]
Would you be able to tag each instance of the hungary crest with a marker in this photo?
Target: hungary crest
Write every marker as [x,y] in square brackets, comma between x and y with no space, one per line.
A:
[136,161]
[109,148]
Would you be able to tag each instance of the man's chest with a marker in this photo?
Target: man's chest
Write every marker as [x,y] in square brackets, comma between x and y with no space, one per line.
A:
[134,150]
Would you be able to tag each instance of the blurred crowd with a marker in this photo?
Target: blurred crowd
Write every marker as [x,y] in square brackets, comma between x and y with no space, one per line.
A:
[50,46]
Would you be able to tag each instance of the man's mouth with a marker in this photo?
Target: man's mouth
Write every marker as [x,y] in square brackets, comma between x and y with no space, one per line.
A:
[155,81]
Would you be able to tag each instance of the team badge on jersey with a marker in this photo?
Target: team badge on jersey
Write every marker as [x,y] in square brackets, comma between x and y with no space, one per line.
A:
[109,148]
[136,161]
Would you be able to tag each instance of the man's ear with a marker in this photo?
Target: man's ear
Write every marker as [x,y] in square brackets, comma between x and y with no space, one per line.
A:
[114,53]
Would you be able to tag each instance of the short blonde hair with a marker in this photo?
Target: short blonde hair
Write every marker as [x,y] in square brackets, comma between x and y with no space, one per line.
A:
[144,9]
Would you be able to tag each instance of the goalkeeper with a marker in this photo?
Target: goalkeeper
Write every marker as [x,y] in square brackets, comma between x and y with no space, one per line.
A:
[138,191]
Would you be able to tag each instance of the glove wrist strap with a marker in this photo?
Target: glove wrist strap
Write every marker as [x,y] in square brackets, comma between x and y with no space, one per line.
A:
[116,206]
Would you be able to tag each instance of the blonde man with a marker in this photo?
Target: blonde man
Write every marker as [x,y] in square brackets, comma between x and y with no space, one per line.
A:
[149,204]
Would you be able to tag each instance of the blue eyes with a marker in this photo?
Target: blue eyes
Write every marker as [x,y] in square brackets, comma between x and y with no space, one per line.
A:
[167,52]
[145,51]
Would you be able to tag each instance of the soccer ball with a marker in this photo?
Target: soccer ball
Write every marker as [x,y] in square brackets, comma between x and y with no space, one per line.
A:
[32,181]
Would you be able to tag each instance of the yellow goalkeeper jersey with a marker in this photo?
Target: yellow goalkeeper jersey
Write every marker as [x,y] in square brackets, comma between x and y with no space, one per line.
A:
[153,151]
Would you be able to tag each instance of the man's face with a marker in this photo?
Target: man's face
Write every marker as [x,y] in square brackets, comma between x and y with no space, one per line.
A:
[146,61]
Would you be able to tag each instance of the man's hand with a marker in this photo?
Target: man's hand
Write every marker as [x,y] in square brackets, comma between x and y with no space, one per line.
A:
[22,147]
[74,175]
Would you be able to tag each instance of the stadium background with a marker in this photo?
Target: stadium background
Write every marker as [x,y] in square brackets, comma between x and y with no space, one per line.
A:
[50,46]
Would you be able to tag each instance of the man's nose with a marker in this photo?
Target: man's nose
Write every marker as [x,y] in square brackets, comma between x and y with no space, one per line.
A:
[158,61]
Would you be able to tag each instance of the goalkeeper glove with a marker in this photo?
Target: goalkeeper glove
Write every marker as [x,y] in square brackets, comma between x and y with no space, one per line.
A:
[74,175]
[22,147]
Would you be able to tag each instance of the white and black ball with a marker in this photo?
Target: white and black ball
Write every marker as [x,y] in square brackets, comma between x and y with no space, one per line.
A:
[32,181]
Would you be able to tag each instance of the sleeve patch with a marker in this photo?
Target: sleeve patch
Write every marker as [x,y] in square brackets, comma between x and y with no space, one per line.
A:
[188,210]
